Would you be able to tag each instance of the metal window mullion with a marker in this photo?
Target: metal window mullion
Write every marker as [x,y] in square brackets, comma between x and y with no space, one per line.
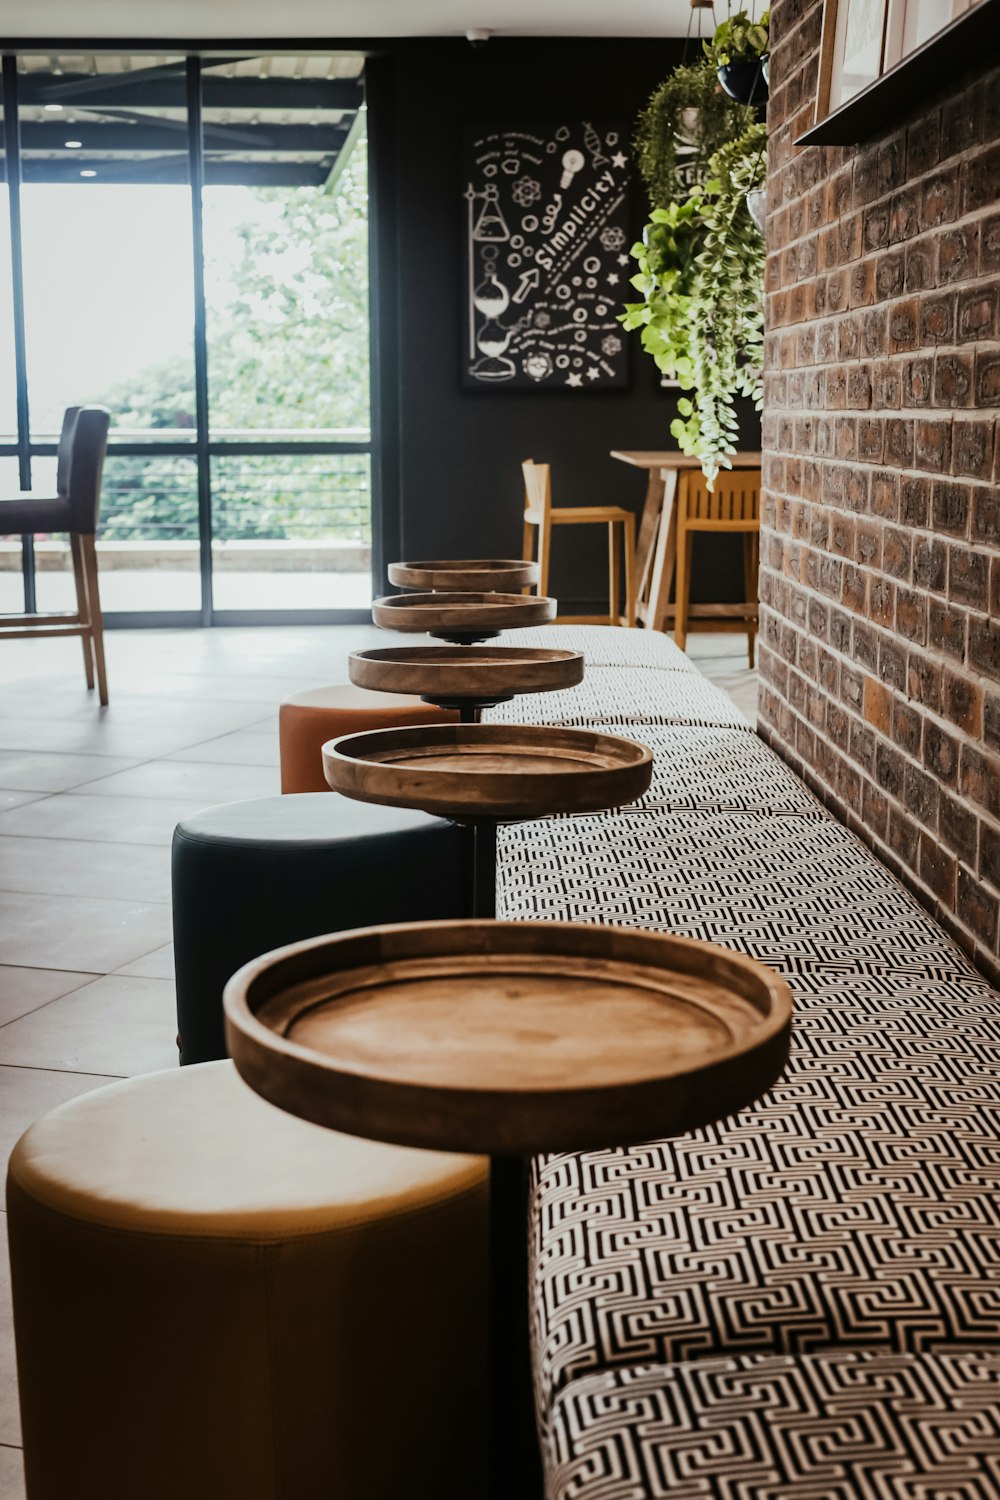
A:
[196,159]
[12,152]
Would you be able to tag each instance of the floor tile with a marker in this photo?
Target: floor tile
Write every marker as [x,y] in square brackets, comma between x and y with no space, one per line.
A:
[11,798]
[75,867]
[190,779]
[156,965]
[117,1025]
[69,736]
[76,932]
[22,990]
[246,747]
[10,1417]
[28,1093]
[12,1474]
[48,771]
[115,820]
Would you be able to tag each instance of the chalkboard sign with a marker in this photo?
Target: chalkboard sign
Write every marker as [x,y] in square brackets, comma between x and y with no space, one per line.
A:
[547,264]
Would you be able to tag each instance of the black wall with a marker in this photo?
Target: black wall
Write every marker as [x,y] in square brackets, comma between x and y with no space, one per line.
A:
[451,458]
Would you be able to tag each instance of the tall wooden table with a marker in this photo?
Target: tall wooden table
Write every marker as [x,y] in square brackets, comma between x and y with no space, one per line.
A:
[656,545]
[507,1039]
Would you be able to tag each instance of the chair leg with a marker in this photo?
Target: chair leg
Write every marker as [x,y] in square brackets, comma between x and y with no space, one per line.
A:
[89,549]
[544,547]
[527,550]
[628,540]
[614,580]
[82,606]
[750,570]
[683,586]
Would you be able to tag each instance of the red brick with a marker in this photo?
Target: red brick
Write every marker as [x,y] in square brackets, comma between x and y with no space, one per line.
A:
[938,869]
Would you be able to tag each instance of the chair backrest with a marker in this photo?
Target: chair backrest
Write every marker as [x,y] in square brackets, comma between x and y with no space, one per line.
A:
[86,447]
[537,491]
[734,498]
[65,445]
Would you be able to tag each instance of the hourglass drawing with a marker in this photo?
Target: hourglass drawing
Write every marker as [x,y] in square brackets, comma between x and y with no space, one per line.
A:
[491,300]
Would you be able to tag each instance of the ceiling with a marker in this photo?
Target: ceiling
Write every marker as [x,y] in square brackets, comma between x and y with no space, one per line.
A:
[317,19]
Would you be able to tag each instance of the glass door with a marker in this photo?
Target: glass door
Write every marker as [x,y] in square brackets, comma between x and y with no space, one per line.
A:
[108,298]
[194,237]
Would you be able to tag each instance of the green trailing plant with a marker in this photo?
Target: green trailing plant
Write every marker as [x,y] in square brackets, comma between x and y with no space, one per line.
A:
[685,122]
[739,39]
[701,277]
[667,279]
[727,310]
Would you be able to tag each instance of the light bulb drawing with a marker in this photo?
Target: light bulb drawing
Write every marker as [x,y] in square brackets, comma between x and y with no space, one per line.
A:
[572,162]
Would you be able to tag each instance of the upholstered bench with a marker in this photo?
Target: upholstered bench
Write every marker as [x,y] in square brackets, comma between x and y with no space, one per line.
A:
[213,1299]
[252,876]
[803,1300]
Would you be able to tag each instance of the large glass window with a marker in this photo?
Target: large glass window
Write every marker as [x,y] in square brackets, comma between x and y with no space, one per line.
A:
[271,453]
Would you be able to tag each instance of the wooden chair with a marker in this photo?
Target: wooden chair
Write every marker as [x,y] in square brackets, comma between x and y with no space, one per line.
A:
[733,505]
[74,508]
[541,513]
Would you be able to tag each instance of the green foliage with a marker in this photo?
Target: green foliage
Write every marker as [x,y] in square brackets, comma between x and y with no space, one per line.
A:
[685,122]
[739,38]
[702,281]
[287,349]
[667,280]
[727,312]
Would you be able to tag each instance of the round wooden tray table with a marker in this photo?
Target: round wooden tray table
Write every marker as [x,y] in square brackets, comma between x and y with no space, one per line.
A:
[479,574]
[462,618]
[466,678]
[485,774]
[508,1039]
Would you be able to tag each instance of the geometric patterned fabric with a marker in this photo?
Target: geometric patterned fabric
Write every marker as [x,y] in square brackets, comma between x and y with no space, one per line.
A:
[617,697]
[832,1251]
[831,1426]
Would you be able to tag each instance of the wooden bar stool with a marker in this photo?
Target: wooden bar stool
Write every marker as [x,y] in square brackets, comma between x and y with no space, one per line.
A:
[733,505]
[541,513]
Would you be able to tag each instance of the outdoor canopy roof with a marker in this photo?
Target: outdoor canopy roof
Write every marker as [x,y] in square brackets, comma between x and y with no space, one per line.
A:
[278,121]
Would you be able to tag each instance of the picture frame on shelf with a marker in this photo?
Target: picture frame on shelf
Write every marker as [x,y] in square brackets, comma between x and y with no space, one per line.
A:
[877,55]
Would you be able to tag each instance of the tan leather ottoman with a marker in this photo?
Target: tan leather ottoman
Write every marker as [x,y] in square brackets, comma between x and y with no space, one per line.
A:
[307,720]
[214,1299]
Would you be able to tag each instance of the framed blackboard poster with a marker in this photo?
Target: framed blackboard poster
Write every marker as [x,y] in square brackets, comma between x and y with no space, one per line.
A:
[546,262]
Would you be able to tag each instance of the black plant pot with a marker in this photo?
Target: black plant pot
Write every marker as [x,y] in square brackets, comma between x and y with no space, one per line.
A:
[744,81]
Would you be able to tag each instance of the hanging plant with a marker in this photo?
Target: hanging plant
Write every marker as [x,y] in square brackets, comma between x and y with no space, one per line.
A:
[685,122]
[727,307]
[667,279]
[701,276]
[738,52]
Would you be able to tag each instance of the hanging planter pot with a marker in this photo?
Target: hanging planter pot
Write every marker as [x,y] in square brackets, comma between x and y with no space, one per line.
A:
[765,68]
[743,80]
[757,207]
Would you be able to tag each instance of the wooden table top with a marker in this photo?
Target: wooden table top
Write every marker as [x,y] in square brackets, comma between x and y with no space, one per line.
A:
[455,672]
[508,1037]
[639,459]
[469,611]
[482,771]
[504,573]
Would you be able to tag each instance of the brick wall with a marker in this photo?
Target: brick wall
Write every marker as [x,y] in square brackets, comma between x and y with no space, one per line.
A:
[880,563]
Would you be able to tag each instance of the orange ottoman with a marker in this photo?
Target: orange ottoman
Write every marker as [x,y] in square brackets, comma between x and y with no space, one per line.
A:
[307,720]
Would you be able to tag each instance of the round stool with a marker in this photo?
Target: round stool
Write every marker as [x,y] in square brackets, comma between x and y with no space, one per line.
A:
[212,1299]
[307,720]
[252,876]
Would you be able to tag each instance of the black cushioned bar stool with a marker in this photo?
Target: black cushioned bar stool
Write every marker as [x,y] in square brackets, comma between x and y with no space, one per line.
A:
[252,876]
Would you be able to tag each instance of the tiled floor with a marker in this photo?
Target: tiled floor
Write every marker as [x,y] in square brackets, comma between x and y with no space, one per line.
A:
[88,802]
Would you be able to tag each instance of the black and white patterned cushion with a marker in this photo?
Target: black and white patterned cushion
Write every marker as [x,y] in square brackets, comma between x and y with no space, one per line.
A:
[856,1208]
[831,1426]
[858,1202]
[605,645]
[619,697]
